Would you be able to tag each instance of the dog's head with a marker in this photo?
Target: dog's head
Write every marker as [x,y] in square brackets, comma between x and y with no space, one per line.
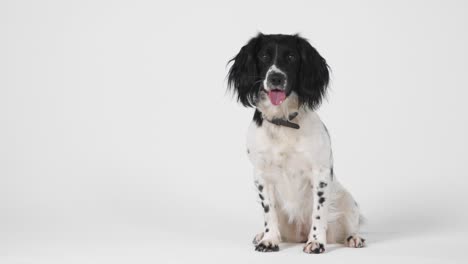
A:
[278,65]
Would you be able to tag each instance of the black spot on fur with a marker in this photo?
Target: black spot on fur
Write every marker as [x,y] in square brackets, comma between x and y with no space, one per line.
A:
[318,217]
[248,151]
[320,249]
[261,196]
[323,184]
[315,228]
[318,207]
[349,238]
[266,208]
[260,187]
[322,200]
[265,223]
[320,193]
[315,236]
[293,115]
[258,118]
[266,230]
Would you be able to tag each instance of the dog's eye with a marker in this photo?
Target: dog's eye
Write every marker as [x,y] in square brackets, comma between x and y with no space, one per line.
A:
[265,57]
[291,57]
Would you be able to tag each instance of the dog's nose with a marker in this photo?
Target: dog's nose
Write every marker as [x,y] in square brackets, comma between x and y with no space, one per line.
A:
[276,79]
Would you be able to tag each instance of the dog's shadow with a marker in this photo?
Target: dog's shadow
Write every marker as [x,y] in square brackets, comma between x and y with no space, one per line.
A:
[411,221]
[381,227]
[294,246]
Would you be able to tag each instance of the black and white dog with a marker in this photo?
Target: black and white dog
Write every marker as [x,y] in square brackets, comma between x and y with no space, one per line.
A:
[285,78]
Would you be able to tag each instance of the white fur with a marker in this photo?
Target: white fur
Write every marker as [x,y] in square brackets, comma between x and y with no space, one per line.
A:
[290,165]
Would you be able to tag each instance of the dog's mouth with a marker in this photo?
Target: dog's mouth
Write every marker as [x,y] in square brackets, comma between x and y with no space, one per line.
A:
[276,96]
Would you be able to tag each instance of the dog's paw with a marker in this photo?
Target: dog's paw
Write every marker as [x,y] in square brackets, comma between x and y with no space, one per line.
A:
[266,246]
[355,241]
[257,238]
[314,247]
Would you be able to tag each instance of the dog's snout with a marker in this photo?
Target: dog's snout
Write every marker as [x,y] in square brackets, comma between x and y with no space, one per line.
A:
[276,79]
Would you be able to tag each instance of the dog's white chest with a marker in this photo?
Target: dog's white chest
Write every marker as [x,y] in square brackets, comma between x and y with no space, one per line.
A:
[279,153]
[280,157]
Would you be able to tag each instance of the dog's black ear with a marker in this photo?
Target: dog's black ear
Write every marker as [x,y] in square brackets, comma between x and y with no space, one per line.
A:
[313,75]
[243,76]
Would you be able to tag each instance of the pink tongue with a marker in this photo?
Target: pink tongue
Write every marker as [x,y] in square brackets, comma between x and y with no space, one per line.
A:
[276,97]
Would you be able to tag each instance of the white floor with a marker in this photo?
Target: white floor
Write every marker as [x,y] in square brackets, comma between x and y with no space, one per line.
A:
[118,143]
[222,240]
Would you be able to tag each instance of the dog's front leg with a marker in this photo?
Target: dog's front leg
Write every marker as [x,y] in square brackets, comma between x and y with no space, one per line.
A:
[271,236]
[317,240]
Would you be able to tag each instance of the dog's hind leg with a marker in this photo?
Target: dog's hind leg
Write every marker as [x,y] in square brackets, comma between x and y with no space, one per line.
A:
[349,220]
[352,225]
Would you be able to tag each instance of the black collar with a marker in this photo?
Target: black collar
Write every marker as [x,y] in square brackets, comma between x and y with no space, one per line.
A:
[284,122]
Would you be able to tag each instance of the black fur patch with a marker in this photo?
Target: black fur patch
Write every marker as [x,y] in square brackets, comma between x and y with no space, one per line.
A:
[266,230]
[323,184]
[293,115]
[260,187]
[318,217]
[266,208]
[321,200]
[258,118]
[308,75]
[315,228]
[349,238]
[261,196]
[320,193]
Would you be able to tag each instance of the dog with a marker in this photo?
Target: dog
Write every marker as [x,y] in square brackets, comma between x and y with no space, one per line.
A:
[284,78]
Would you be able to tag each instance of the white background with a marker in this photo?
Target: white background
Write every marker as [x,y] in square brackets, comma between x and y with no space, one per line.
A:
[118,143]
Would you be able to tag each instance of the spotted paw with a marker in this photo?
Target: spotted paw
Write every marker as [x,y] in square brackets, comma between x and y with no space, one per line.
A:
[355,241]
[257,238]
[266,246]
[314,247]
